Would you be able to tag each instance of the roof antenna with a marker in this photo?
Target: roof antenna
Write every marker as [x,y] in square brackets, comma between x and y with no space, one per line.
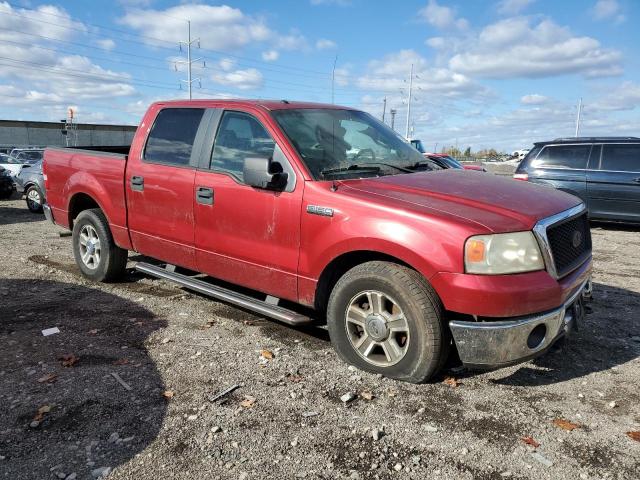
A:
[334,186]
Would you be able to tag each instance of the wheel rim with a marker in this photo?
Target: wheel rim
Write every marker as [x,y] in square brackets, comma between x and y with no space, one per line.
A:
[33,199]
[89,247]
[377,328]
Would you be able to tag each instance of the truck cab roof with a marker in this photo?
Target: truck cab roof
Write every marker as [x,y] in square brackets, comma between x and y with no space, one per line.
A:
[265,104]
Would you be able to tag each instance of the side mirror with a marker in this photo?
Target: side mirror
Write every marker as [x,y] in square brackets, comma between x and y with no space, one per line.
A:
[261,172]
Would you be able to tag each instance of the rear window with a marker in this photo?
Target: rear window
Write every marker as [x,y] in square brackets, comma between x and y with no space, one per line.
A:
[563,156]
[172,135]
[621,157]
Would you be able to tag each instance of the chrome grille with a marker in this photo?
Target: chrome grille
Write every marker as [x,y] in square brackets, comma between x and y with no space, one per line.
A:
[565,240]
[570,243]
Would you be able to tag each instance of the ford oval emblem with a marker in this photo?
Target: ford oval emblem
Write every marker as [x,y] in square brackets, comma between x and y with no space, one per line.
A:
[576,239]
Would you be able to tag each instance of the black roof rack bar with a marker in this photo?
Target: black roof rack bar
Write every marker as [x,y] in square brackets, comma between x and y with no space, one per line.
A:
[593,139]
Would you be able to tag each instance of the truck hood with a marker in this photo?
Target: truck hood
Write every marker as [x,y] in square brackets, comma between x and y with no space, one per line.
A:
[500,204]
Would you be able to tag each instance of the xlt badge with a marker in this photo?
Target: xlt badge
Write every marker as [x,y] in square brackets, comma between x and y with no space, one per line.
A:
[317,210]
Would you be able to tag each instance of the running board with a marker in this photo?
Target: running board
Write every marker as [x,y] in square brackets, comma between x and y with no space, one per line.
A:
[263,307]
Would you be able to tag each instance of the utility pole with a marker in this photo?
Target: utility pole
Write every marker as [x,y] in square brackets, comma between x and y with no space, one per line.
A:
[384,108]
[393,112]
[333,79]
[409,102]
[189,62]
[578,118]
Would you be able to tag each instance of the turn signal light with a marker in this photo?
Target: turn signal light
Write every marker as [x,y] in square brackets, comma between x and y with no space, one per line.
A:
[521,176]
[475,251]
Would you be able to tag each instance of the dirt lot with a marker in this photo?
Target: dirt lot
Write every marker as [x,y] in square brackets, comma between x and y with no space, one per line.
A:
[287,420]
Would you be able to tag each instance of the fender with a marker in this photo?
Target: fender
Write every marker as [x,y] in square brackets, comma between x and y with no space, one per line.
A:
[113,206]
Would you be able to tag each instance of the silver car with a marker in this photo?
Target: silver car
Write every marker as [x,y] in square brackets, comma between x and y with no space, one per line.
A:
[30,182]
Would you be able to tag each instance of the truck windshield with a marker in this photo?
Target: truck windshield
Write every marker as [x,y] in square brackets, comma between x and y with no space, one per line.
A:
[343,144]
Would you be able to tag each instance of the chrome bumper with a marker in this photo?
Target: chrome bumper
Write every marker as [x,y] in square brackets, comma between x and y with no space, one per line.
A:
[507,342]
[47,213]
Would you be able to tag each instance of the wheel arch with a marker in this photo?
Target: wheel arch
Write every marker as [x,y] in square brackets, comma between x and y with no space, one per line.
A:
[79,202]
[339,265]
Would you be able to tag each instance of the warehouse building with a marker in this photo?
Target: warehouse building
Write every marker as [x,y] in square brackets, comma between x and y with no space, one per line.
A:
[18,133]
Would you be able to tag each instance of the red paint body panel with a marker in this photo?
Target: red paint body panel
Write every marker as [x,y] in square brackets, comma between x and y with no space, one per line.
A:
[506,295]
[268,241]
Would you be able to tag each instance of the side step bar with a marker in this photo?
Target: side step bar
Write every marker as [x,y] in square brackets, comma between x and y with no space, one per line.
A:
[267,309]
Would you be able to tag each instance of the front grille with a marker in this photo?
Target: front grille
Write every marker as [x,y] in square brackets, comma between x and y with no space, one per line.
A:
[570,243]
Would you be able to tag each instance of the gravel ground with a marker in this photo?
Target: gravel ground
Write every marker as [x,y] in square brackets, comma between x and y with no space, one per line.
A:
[286,419]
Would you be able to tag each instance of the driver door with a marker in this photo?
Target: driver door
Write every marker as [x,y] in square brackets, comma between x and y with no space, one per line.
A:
[245,235]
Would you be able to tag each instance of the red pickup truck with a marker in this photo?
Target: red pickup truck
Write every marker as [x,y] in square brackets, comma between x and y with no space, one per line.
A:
[321,212]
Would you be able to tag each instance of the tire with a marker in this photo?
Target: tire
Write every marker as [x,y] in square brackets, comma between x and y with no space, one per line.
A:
[422,339]
[108,261]
[35,199]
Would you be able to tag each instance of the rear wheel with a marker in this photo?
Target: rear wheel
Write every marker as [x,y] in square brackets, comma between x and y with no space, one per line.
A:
[385,318]
[34,199]
[95,252]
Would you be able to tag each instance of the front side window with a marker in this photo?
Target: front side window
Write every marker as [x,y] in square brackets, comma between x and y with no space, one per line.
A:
[240,136]
[563,156]
[172,135]
[621,157]
[341,144]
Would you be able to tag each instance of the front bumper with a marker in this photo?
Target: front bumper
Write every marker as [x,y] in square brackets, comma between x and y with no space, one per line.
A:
[501,343]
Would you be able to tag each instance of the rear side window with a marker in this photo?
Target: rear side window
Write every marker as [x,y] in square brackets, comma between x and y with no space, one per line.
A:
[240,136]
[172,135]
[563,156]
[621,157]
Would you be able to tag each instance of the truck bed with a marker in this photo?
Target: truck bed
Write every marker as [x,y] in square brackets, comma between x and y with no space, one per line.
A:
[88,174]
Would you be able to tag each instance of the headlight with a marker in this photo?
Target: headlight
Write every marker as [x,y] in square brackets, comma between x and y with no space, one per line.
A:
[502,253]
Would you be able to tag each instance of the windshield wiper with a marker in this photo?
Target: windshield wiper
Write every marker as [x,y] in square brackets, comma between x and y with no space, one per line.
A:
[350,167]
[365,166]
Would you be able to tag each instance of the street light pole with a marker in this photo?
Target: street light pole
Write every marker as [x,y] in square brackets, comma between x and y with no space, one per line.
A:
[409,102]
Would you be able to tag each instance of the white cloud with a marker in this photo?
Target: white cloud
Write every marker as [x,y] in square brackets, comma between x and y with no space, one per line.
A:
[441,17]
[392,72]
[45,20]
[219,27]
[607,10]
[38,73]
[534,99]
[521,47]
[270,55]
[106,44]
[513,7]
[339,3]
[626,96]
[242,79]
[325,44]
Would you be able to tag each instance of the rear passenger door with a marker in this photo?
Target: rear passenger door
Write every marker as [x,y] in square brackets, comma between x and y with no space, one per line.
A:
[614,183]
[562,167]
[159,185]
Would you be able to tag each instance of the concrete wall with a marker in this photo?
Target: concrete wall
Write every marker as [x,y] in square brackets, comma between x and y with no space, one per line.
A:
[19,133]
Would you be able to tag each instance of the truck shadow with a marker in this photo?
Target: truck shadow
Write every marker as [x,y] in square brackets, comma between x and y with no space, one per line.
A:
[90,418]
[11,215]
[603,341]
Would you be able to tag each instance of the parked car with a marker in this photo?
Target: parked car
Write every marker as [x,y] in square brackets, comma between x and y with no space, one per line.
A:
[447,161]
[20,157]
[6,184]
[30,182]
[404,265]
[602,171]
[444,160]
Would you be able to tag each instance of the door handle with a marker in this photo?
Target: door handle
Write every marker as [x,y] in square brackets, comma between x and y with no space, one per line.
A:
[204,195]
[137,183]
[636,180]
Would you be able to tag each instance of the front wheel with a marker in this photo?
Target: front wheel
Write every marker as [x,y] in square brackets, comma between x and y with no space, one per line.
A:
[385,318]
[34,199]
[96,254]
